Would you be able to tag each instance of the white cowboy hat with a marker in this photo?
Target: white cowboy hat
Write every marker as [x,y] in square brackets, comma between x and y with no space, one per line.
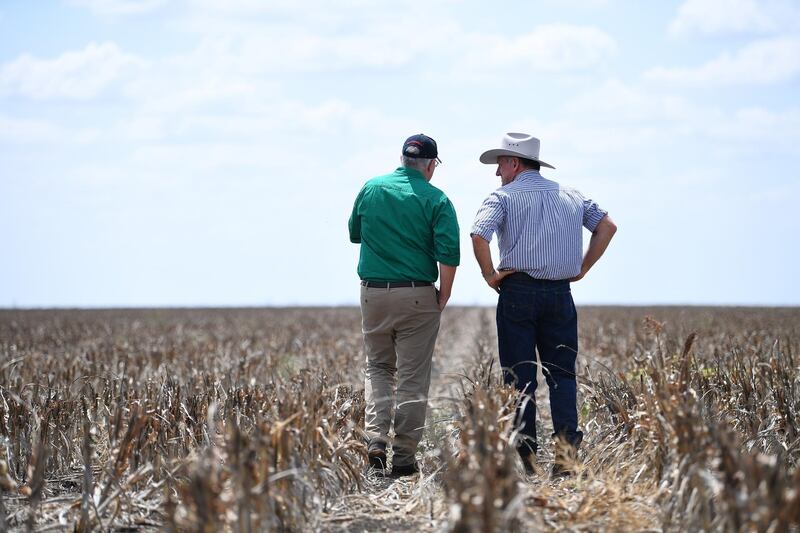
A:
[516,145]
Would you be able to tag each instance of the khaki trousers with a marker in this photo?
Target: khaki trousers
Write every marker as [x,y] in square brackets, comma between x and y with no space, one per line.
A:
[400,327]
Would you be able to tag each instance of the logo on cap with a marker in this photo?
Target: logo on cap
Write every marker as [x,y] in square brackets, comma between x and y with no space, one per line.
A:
[420,146]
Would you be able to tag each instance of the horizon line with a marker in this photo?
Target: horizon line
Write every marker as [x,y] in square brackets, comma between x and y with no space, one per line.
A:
[356,305]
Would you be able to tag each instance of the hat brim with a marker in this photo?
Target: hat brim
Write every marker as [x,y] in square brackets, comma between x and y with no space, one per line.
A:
[489,157]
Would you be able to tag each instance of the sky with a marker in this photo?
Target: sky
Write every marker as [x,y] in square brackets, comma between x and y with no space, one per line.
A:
[207,153]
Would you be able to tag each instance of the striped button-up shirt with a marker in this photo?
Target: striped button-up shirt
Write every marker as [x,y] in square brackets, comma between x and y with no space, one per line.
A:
[538,223]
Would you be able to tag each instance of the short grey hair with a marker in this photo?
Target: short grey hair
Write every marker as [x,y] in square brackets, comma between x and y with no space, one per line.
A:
[418,163]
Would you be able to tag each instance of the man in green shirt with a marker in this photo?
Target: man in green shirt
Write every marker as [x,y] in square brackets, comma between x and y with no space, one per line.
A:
[406,228]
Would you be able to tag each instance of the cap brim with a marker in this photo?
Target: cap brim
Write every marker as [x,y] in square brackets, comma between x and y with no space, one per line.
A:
[489,157]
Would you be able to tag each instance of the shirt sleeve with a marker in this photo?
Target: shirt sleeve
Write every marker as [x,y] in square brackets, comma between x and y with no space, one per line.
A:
[490,217]
[354,224]
[592,214]
[446,247]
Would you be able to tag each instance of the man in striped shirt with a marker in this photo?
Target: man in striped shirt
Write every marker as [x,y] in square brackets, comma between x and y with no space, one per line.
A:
[539,226]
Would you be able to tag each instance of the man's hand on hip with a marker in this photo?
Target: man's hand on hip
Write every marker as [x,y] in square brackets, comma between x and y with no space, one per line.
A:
[494,278]
[601,236]
[579,276]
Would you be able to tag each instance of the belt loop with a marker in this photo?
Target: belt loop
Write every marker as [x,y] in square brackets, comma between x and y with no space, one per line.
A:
[413,284]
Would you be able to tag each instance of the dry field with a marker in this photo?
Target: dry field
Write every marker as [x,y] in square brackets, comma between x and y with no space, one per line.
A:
[250,420]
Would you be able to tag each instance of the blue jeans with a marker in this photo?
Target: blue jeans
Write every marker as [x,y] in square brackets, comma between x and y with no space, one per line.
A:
[539,315]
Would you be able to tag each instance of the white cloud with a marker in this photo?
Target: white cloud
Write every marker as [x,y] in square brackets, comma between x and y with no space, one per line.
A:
[592,4]
[271,48]
[622,122]
[77,75]
[165,95]
[758,130]
[296,49]
[310,37]
[321,17]
[761,62]
[24,131]
[720,16]
[118,7]
[554,47]
[619,102]
[287,119]
[144,127]
[262,141]
[343,8]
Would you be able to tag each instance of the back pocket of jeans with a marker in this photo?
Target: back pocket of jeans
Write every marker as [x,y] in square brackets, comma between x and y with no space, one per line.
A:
[517,308]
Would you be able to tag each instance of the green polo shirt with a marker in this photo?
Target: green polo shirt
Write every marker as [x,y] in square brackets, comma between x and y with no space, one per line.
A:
[405,225]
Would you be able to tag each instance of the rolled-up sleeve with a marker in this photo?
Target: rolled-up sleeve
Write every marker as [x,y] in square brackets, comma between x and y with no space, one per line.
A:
[592,214]
[490,216]
[354,224]
[446,247]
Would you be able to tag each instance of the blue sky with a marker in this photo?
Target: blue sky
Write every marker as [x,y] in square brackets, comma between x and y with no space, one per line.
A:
[198,152]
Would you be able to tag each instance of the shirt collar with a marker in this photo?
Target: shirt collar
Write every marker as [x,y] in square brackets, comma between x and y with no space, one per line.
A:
[410,172]
[529,174]
[531,180]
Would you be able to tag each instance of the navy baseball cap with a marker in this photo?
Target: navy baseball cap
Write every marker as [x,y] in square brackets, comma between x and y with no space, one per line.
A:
[422,147]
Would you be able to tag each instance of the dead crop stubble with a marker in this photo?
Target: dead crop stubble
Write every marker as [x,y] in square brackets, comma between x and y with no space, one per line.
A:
[251,420]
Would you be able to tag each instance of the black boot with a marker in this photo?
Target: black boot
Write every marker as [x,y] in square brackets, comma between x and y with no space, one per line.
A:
[377,455]
[527,452]
[405,470]
[527,462]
